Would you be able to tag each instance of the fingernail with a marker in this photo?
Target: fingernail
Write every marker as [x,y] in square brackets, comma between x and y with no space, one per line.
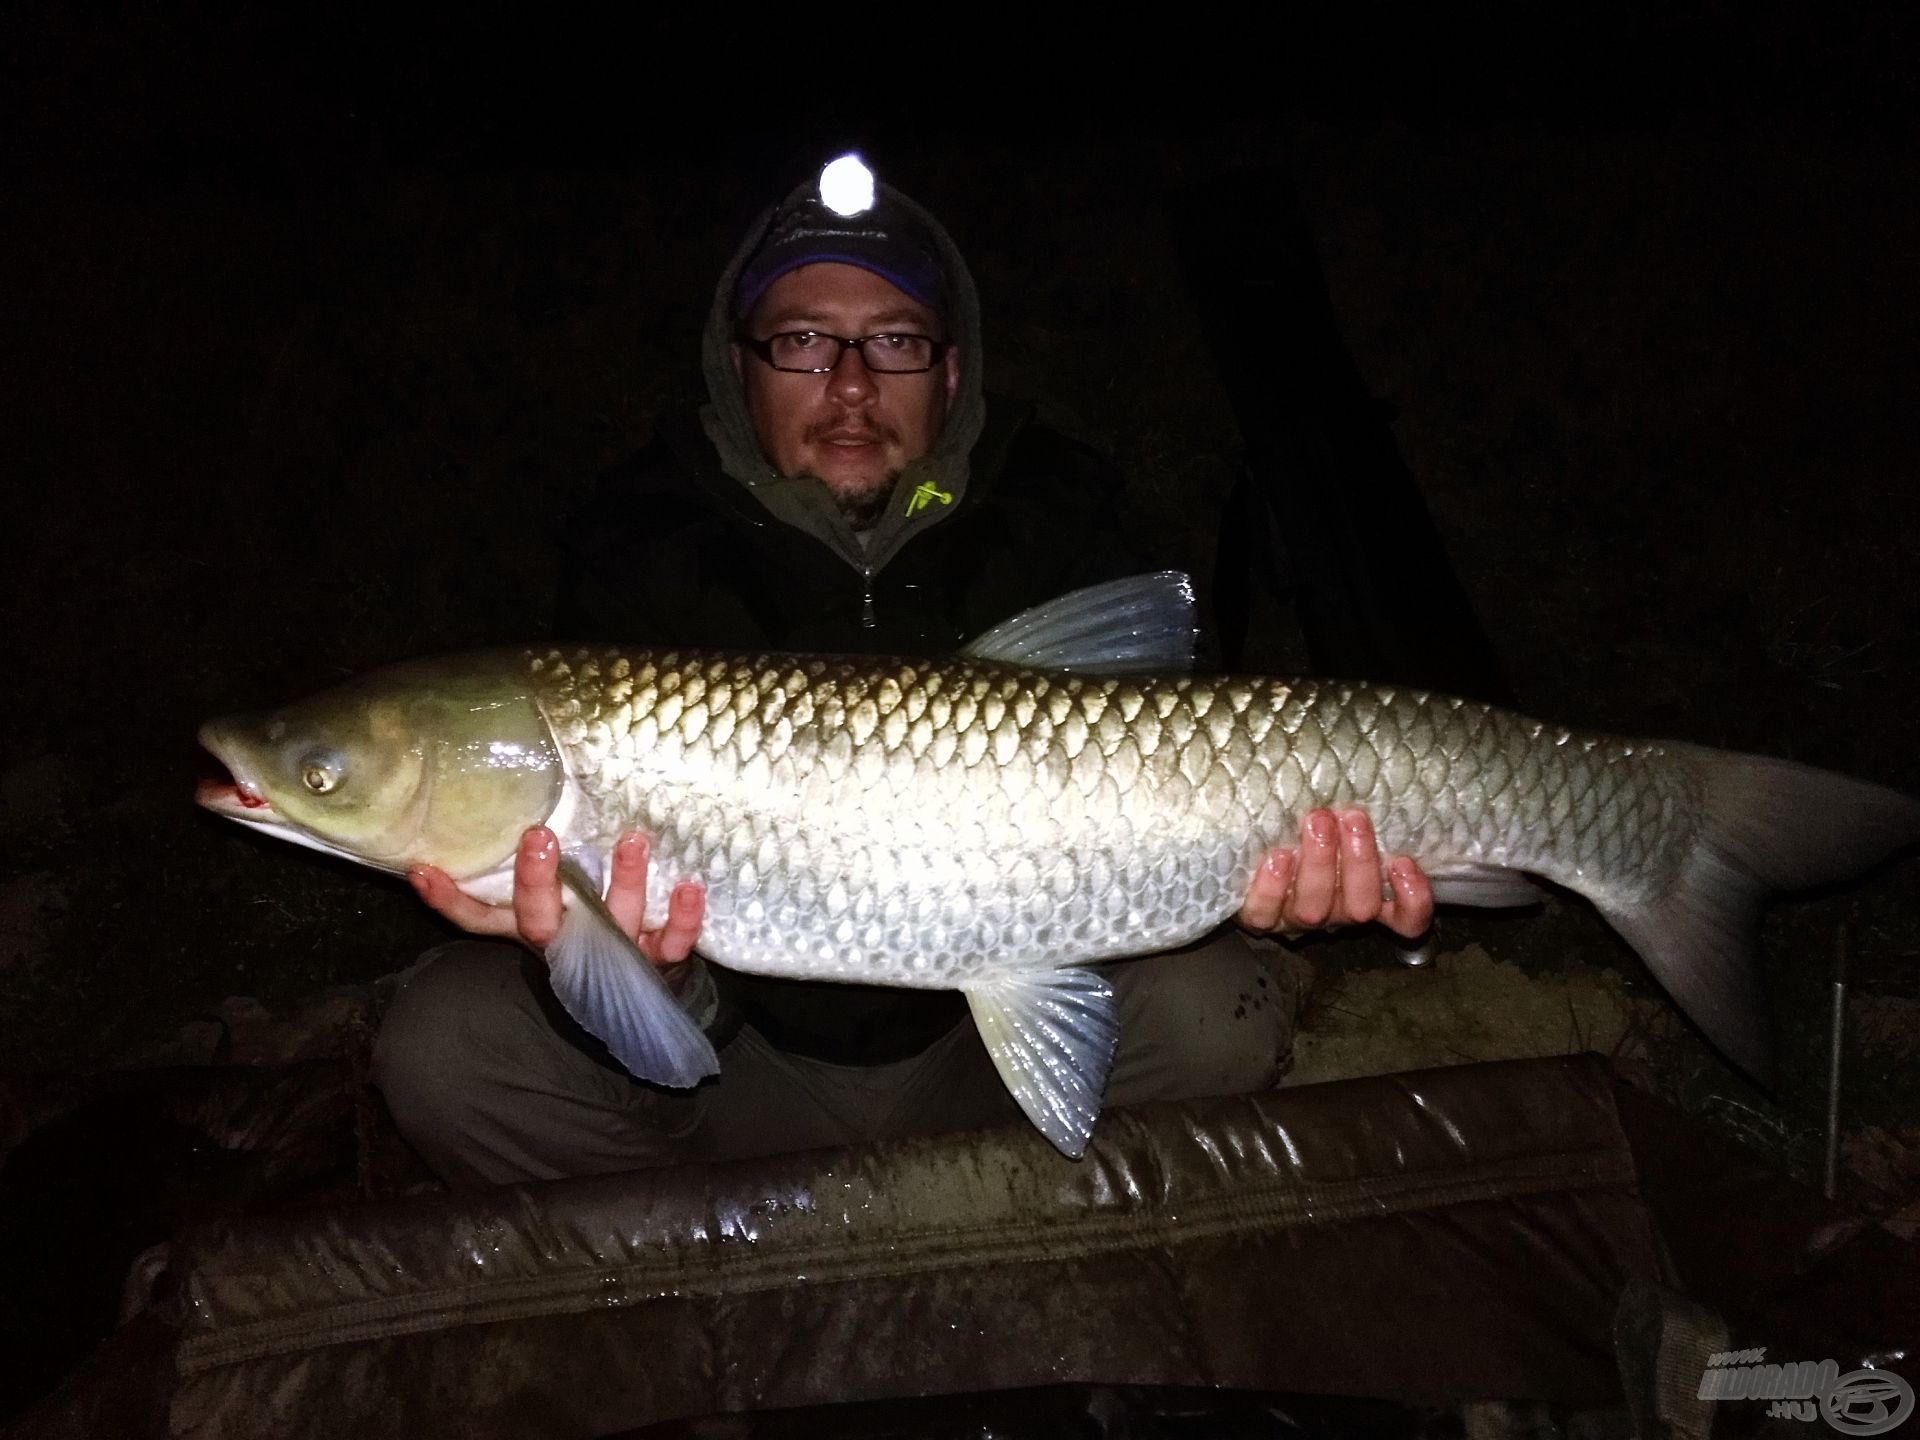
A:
[1321,827]
[540,843]
[417,877]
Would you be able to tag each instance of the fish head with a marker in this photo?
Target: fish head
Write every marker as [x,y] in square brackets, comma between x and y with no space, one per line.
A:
[439,762]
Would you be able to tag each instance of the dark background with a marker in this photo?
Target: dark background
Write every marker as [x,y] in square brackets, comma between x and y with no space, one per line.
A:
[314,329]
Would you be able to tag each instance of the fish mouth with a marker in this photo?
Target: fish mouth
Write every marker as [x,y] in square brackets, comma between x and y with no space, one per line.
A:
[229,797]
[227,790]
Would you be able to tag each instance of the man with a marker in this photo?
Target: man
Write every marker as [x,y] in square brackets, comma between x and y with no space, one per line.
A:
[849,488]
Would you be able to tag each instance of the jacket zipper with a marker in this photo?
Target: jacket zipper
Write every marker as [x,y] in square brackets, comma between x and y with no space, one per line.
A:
[867,618]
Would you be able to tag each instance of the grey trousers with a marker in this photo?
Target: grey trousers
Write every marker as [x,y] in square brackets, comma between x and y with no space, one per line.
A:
[477,1065]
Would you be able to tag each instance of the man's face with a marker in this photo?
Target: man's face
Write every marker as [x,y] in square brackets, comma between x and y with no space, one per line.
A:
[853,429]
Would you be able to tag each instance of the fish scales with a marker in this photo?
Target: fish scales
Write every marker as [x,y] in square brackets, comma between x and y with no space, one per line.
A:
[1020,819]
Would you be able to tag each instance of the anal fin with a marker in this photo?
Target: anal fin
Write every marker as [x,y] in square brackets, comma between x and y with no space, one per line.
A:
[1051,1034]
[1492,887]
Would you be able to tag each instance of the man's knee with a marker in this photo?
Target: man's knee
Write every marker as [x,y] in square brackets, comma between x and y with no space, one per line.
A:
[1214,1019]
[442,1035]
[483,1077]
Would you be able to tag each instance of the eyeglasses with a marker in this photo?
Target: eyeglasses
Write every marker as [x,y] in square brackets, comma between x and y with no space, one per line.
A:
[809,352]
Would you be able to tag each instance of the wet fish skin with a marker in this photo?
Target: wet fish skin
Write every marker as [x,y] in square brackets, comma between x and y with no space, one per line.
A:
[930,823]
[919,823]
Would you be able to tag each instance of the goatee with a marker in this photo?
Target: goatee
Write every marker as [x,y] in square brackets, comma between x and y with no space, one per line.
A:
[863,511]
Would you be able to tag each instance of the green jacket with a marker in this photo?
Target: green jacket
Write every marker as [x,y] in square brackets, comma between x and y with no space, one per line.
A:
[671,551]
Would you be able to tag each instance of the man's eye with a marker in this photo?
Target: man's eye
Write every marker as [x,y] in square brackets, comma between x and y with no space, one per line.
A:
[803,340]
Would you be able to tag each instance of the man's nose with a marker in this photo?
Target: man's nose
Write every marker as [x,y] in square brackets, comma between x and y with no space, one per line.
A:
[850,382]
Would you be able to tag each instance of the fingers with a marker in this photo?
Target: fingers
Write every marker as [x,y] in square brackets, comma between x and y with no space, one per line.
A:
[673,941]
[1336,877]
[627,900]
[627,889]
[436,887]
[538,902]
[1410,913]
[536,887]
[1268,894]
[1358,883]
[1317,878]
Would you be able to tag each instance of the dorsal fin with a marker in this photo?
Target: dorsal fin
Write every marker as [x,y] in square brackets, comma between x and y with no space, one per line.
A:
[1124,627]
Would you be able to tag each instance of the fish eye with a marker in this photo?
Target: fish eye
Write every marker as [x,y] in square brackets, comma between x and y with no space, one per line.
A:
[320,772]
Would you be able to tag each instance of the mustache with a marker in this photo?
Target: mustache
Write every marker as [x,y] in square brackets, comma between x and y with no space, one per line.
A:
[846,428]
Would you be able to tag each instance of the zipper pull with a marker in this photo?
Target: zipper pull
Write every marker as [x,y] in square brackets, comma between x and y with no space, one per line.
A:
[867,618]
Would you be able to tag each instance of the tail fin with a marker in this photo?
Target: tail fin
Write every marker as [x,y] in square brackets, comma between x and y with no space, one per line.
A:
[1769,825]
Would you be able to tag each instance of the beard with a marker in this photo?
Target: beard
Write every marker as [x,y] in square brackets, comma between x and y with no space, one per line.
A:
[861,502]
[862,509]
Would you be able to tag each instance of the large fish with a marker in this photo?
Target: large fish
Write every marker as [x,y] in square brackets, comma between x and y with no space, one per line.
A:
[993,822]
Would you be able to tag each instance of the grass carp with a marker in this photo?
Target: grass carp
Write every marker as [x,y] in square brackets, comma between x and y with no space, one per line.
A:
[1056,795]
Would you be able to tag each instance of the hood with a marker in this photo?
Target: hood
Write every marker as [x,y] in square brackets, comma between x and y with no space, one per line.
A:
[804,502]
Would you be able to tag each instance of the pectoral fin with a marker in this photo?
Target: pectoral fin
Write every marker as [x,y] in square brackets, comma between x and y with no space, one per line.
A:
[615,993]
[1051,1035]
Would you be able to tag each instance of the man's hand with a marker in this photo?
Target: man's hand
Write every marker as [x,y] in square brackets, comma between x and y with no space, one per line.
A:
[1334,879]
[534,915]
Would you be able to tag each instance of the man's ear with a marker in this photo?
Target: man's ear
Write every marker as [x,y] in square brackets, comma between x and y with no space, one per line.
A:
[953,372]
